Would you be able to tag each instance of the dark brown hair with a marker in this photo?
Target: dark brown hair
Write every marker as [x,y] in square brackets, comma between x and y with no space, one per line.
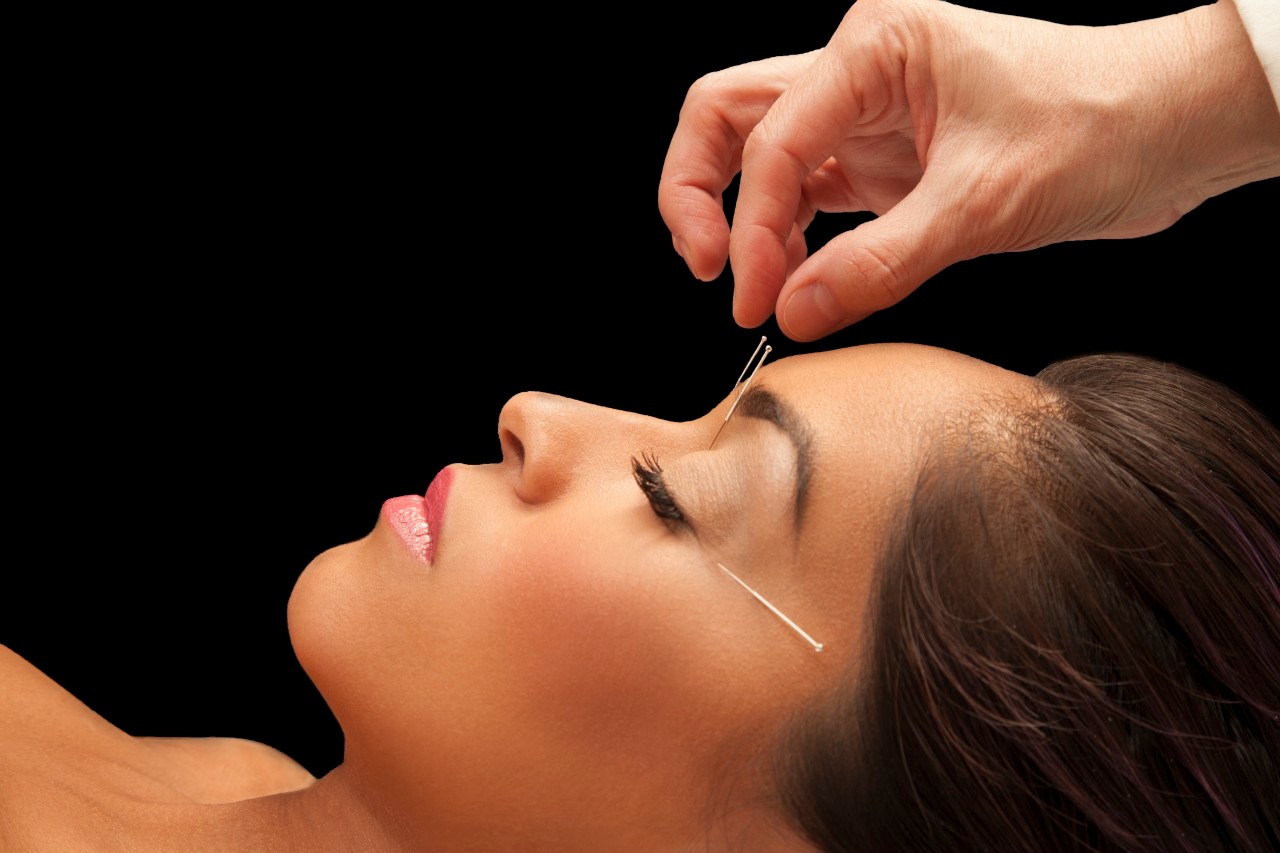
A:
[1075,639]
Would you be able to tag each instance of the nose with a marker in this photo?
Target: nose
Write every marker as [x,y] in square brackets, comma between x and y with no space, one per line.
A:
[550,443]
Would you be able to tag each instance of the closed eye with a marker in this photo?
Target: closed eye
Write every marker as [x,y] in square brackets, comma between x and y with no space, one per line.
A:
[649,478]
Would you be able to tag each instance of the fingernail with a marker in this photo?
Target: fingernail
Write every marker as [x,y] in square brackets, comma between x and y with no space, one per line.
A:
[682,249]
[812,312]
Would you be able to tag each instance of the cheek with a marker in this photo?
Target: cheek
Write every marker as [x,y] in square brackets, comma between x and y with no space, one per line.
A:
[626,644]
[585,635]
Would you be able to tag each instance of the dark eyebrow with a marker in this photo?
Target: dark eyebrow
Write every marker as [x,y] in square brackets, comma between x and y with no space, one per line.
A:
[760,402]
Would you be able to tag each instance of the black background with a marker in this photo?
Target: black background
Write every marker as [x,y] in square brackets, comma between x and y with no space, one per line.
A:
[274,271]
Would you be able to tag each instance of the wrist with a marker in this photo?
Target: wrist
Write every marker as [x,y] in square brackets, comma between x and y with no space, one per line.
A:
[1211,99]
[1261,19]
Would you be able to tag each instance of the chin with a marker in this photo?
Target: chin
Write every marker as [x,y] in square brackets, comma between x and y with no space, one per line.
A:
[324,618]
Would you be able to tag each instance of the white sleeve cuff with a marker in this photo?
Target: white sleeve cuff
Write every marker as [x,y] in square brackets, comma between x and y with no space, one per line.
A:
[1262,21]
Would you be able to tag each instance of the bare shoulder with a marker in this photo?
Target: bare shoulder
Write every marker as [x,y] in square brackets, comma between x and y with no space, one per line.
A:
[27,694]
[39,717]
[12,663]
[226,769]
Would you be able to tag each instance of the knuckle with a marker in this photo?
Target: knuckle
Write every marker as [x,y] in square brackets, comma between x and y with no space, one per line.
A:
[765,142]
[881,273]
[993,206]
[710,88]
[989,195]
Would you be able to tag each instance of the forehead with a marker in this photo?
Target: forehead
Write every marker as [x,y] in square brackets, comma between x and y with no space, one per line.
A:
[871,413]
[872,409]
[903,382]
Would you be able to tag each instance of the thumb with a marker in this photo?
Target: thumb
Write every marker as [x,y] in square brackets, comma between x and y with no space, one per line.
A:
[869,268]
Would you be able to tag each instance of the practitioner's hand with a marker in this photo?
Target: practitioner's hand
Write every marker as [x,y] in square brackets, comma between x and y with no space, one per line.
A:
[967,133]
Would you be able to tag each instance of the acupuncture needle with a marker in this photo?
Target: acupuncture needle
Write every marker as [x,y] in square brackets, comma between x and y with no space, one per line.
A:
[817,647]
[745,385]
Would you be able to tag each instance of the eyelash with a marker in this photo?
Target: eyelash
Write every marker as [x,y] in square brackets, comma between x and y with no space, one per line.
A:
[648,474]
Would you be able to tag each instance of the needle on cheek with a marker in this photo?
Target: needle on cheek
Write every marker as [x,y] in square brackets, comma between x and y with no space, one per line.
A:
[817,647]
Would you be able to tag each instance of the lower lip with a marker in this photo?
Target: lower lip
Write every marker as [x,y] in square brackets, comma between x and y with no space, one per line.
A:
[419,520]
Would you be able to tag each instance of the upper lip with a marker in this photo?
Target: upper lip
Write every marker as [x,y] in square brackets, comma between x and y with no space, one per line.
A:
[435,499]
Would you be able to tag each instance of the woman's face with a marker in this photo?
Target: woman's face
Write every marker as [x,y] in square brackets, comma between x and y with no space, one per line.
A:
[570,652]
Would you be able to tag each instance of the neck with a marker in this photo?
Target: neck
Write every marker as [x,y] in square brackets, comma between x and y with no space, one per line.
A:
[334,814]
[337,813]
[330,814]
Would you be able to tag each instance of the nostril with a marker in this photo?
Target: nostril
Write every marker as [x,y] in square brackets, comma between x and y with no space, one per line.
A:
[538,433]
[512,446]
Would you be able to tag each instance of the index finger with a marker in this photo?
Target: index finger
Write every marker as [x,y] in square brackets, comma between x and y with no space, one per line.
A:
[705,153]
[857,75]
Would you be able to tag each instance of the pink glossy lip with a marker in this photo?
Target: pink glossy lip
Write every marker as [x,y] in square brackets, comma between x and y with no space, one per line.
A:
[419,520]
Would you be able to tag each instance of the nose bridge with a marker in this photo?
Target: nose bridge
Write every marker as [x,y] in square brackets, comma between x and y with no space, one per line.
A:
[548,441]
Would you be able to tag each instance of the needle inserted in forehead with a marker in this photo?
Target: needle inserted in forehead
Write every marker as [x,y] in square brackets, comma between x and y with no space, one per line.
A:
[745,385]
[817,647]
[747,366]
